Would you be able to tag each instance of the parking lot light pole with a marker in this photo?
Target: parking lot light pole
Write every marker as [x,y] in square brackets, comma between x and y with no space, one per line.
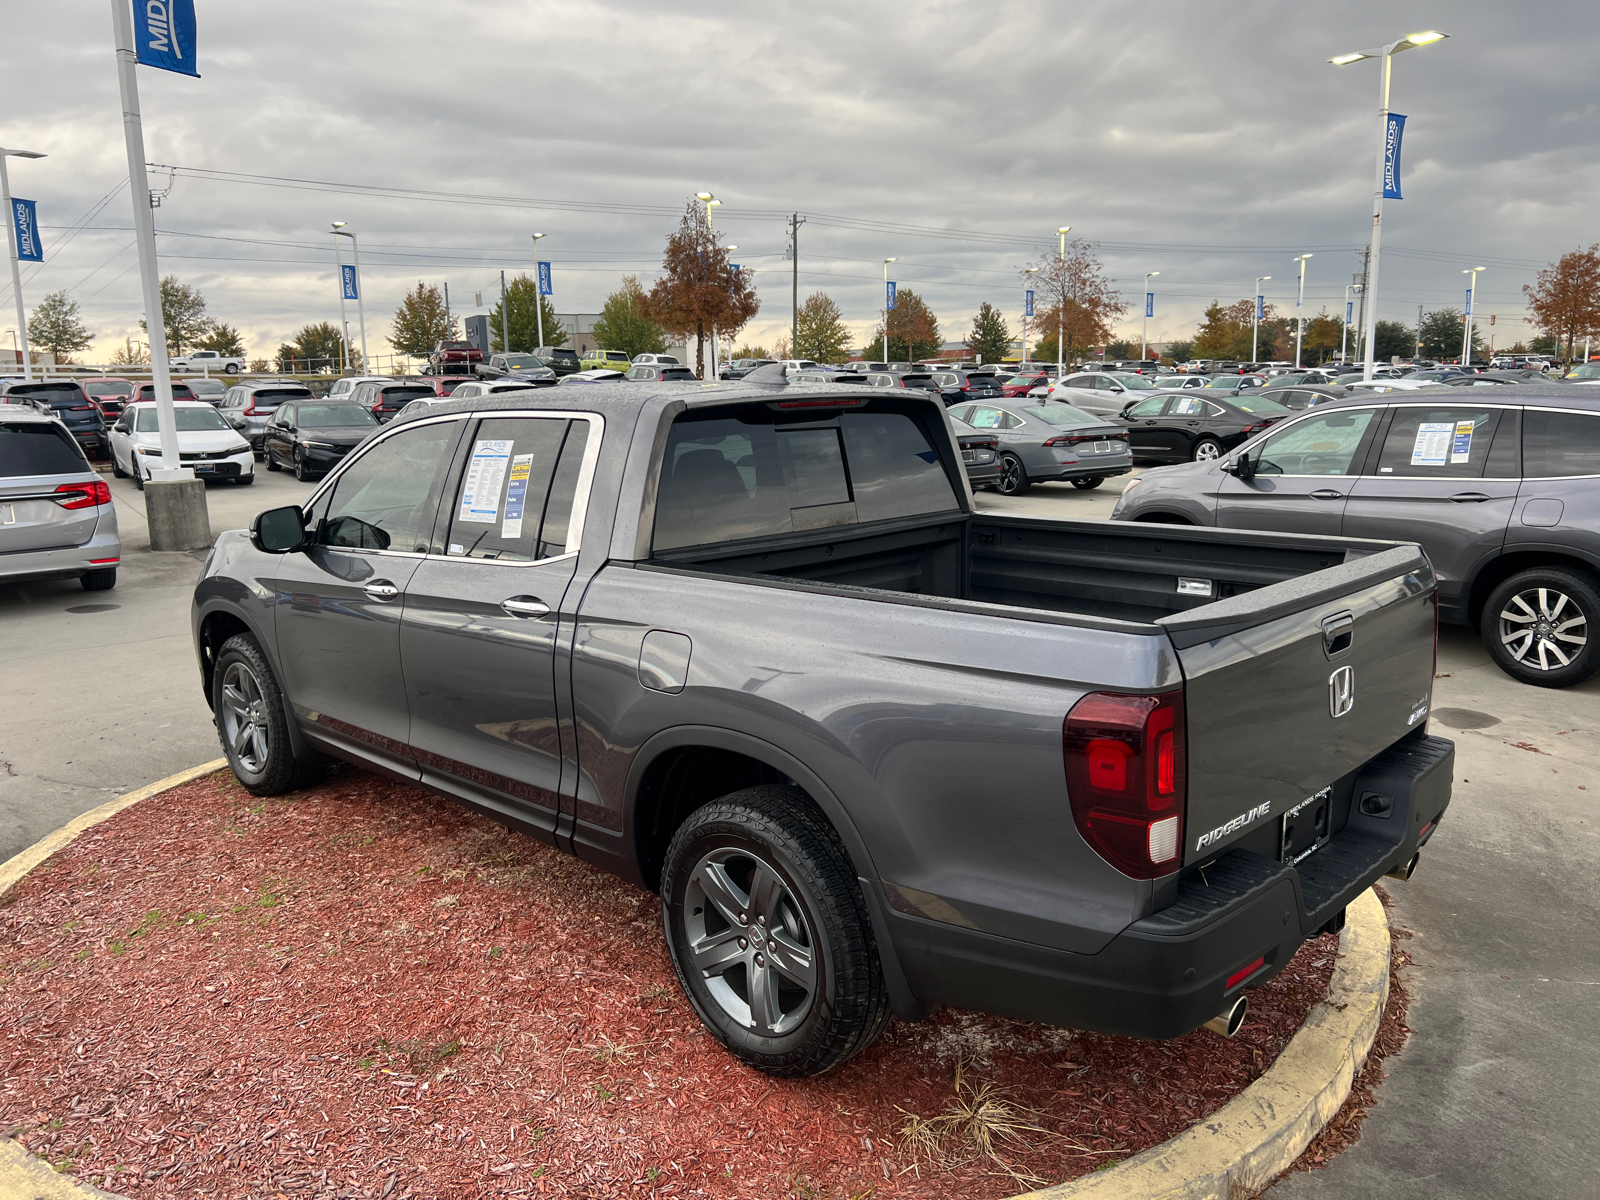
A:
[339,230]
[344,317]
[886,263]
[1061,307]
[1299,315]
[1255,316]
[711,202]
[1386,53]
[538,296]
[1467,323]
[11,246]
[1344,332]
[1144,332]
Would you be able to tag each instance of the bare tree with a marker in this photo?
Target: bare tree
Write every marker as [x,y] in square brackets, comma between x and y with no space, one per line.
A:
[1080,301]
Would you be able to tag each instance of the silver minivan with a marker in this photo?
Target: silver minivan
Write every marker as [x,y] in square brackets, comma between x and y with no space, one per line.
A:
[56,518]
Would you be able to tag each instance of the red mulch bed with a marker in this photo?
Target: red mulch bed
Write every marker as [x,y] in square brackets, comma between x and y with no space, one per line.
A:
[362,990]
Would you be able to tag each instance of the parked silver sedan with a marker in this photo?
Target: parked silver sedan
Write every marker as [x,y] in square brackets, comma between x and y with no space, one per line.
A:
[1101,392]
[1043,442]
[56,518]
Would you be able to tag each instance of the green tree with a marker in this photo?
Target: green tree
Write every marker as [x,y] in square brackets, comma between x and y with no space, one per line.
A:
[913,331]
[1322,336]
[623,324]
[224,339]
[1180,351]
[989,339]
[748,351]
[823,336]
[1225,333]
[318,349]
[1119,350]
[1440,334]
[1565,299]
[522,293]
[1391,338]
[699,290]
[183,313]
[1544,344]
[55,326]
[420,322]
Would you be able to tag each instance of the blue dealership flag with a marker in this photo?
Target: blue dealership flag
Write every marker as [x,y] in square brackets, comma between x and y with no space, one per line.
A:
[1028,297]
[1393,132]
[544,280]
[26,219]
[1149,304]
[1261,308]
[350,291]
[163,35]
[1469,302]
[1349,311]
[889,297]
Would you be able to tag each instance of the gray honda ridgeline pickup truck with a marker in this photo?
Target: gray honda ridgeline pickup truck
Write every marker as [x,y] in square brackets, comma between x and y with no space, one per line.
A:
[748,645]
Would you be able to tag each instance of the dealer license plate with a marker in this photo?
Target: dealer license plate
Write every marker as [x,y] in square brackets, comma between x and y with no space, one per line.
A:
[1104,447]
[969,456]
[1305,828]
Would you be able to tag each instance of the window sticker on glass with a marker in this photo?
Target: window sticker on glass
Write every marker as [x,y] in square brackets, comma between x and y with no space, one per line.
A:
[1461,447]
[1186,406]
[516,495]
[1432,447]
[480,495]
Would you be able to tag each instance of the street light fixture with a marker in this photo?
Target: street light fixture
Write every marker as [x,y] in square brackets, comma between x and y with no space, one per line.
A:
[11,246]
[339,231]
[711,202]
[1144,332]
[1386,53]
[1299,316]
[538,296]
[886,263]
[1468,321]
[1061,308]
[1255,317]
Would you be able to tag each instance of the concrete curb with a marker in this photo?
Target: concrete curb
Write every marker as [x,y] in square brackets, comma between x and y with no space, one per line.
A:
[1243,1146]
[25,1176]
[1236,1151]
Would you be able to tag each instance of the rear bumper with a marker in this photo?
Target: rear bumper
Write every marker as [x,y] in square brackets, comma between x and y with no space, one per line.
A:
[1090,470]
[67,562]
[1166,975]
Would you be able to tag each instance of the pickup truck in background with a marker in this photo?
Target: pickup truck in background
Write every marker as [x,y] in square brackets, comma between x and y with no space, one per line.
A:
[749,646]
[454,357]
[206,360]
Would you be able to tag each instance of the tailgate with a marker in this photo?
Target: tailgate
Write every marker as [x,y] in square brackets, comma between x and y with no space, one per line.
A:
[1289,687]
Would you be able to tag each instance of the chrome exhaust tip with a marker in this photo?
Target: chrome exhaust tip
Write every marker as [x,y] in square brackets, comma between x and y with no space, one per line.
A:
[1227,1022]
[1407,870]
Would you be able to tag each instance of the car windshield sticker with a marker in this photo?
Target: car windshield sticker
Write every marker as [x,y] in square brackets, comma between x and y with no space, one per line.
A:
[480,495]
[1461,447]
[1432,446]
[1186,405]
[516,493]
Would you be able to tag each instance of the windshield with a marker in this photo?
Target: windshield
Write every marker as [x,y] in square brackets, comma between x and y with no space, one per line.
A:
[1063,416]
[518,362]
[1258,405]
[1587,371]
[190,420]
[326,416]
[1135,383]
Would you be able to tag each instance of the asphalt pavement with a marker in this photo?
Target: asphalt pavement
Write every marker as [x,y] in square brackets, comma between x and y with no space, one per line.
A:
[1495,1092]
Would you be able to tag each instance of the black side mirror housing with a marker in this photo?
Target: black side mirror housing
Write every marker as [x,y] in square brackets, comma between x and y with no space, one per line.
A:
[1242,468]
[278,530]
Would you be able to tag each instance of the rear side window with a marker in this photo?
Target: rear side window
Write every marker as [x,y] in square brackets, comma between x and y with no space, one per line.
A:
[1557,444]
[1438,443]
[761,473]
[668,373]
[503,501]
[38,449]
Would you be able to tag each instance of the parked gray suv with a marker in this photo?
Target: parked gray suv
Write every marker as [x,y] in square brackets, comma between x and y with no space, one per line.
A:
[1503,493]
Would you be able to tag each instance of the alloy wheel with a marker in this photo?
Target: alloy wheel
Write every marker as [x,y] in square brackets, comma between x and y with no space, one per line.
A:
[1543,624]
[751,940]
[1010,475]
[1207,451]
[243,713]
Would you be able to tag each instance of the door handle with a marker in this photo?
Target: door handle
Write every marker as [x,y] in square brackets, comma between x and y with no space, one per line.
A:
[525,606]
[1327,494]
[381,590]
[1468,498]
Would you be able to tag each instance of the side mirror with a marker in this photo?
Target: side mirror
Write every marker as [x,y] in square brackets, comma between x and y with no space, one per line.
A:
[278,530]
[1242,468]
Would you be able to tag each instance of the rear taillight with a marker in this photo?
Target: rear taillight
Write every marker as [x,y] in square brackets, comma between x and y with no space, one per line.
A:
[250,411]
[1127,778]
[83,495]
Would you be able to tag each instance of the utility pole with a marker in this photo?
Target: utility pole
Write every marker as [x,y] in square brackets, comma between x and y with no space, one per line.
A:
[505,317]
[1361,325]
[1419,331]
[795,221]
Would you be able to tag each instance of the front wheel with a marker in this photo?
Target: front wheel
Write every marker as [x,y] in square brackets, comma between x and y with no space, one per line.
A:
[116,466]
[138,471]
[253,722]
[1538,625]
[769,934]
[301,471]
[244,480]
[1013,478]
[1207,449]
[1085,485]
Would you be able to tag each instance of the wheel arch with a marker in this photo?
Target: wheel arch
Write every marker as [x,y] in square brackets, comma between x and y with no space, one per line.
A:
[1525,558]
[213,626]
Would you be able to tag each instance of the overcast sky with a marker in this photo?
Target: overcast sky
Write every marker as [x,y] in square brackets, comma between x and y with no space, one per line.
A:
[1211,143]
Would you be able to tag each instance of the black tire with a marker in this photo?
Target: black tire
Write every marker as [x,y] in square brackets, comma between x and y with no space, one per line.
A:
[1086,485]
[138,474]
[272,463]
[116,467]
[1013,476]
[244,480]
[301,471]
[1537,618]
[102,580]
[1206,449]
[231,368]
[253,722]
[776,861]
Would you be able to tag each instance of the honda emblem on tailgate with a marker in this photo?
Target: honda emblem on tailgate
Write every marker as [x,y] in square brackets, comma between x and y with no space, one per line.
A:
[1341,691]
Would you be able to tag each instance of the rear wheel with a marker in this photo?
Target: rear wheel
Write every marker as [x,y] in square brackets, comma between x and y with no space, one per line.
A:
[1207,449]
[1539,627]
[769,934]
[1013,478]
[272,463]
[1088,484]
[138,471]
[253,722]
[99,581]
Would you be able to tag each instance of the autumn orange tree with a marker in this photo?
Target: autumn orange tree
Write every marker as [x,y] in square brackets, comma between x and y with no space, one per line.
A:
[1074,297]
[699,290]
[1565,298]
[913,330]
